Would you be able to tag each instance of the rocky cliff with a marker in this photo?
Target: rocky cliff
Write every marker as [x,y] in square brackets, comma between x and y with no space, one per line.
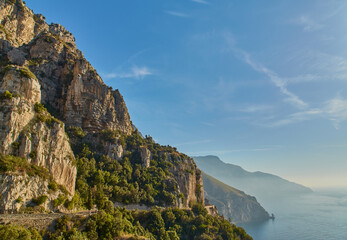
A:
[233,203]
[48,86]
[27,130]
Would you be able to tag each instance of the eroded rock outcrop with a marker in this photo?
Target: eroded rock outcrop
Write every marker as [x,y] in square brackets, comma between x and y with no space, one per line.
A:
[19,190]
[31,132]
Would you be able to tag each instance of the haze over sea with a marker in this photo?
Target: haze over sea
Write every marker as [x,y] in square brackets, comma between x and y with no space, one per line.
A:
[321,215]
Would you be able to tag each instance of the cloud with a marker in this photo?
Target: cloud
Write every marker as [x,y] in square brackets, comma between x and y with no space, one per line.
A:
[308,24]
[275,79]
[278,81]
[256,108]
[334,109]
[135,72]
[201,2]
[177,14]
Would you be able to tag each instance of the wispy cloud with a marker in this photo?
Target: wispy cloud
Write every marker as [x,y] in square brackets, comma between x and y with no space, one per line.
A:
[135,72]
[177,14]
[256,108]
[308,24]
[334,109]
[274,77]
[201,2]
[337,111]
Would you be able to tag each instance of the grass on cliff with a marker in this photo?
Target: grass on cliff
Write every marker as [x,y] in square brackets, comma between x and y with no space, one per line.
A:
[16,164]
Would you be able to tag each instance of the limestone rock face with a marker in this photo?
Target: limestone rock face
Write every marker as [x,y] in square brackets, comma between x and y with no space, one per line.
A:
[18,111]
[18,190]
[190,182]
[41,141]
[212,210]
[19,24]
[70,86]
[145,156]
[48,147]
[114,151]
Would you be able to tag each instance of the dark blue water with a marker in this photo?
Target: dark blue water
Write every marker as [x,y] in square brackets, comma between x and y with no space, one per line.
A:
[317,216]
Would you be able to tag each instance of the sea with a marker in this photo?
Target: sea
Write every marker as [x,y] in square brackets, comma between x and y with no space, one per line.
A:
[321,215]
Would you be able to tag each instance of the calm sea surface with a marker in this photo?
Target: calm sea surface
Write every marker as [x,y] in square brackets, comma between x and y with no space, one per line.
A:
[318,216]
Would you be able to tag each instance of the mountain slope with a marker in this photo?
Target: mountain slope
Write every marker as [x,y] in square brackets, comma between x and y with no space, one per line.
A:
[40,63]
[233,203]
[58,117]
[259,184]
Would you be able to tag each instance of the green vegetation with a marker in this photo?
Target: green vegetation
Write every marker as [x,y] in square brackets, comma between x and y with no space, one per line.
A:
[53,186]
[33,154]
[60,200]
[10,232]
[44,116]
[11,1]
[76,132]
[39,108]
[40,200]
[15,145]
[13,164]
[35,61]
[101,178]
[25,72]
[168,224]
[3,30]
[6,95]
[19,200]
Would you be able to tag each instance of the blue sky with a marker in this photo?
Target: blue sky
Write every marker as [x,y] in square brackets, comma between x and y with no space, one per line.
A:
[261,84]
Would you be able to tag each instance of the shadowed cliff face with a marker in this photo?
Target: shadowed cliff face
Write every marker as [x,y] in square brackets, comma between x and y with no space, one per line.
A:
[233,203]
[40,63]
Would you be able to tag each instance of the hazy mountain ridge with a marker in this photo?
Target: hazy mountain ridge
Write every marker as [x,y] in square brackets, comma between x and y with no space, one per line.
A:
[233,203]
[258,184]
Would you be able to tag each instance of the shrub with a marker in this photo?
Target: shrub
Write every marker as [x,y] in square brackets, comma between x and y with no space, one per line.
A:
[25,72]
[33,154]
[39,108]
[12,164]
[53,186]
[40,200]
[6,95]
[15,145]
[12,232]
[59,201]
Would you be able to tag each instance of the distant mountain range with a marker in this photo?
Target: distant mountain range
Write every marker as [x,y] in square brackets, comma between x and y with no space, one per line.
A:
[233,203]
[263,186]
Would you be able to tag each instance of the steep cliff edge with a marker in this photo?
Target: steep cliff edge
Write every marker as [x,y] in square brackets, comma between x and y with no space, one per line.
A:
[233,203]
[46,64]
[28,131]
